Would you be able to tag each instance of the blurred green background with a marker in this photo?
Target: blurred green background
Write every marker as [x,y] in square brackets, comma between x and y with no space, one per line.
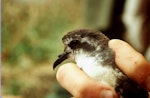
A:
[31,40]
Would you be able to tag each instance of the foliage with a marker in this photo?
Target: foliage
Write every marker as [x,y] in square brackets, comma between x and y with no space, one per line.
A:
[36,29]
[31,37]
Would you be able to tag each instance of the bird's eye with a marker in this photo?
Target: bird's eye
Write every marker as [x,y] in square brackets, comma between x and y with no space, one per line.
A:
[74,44]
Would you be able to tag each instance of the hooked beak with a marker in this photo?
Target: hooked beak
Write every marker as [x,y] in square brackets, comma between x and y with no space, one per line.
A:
[60,59]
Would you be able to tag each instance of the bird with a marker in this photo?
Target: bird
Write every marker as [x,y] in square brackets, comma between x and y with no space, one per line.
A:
[90,50]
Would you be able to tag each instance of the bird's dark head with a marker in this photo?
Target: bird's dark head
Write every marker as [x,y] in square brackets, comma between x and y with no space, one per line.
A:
[84,38]
[81,40]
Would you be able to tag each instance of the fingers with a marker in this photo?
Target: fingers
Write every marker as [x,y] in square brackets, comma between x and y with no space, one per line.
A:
[131,62]
[80,85]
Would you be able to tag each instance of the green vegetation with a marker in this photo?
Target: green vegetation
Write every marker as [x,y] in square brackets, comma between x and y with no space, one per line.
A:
[31,41]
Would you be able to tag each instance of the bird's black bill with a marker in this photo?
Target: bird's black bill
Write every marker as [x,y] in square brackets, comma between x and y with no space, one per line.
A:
[60,59]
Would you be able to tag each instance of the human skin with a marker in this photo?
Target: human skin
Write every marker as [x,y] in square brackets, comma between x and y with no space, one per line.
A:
[127,59]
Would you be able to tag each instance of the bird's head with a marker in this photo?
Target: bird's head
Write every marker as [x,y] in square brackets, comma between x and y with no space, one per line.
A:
[83,40]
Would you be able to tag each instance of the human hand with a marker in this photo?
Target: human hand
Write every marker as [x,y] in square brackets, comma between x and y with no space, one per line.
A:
[132,63]
[81,86]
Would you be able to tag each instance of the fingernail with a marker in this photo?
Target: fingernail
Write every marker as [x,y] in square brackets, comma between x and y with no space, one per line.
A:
[107,94]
